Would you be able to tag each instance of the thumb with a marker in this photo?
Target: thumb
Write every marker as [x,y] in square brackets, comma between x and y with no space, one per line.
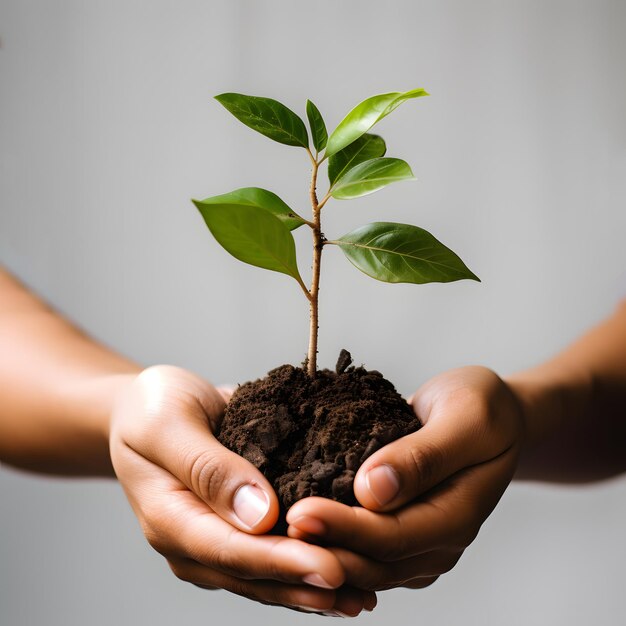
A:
[179,410]
[228,483]
[469,417]
[410,466]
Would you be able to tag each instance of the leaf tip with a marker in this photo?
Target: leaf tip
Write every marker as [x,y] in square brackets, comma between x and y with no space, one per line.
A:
[418,92]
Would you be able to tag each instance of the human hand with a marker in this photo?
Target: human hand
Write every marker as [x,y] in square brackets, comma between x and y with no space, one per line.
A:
[424,496]
[204,508]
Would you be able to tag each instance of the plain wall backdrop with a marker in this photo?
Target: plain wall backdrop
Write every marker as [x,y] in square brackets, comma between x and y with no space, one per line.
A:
[107,128]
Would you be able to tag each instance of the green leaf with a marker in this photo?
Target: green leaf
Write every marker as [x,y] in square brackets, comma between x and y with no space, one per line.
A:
[401,253]
[364,148]
[370,176]
[252,236]
[260,198]
[318,127]
[268,117]
[365,115]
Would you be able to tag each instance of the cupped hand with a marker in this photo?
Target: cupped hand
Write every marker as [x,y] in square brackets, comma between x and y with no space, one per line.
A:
[424,496]
[205,508]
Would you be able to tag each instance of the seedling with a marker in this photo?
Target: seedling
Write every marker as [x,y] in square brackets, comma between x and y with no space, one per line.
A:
[255,225]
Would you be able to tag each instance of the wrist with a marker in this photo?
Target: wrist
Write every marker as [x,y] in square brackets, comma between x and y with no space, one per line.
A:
[554,402]
[90,403]
[529,398]
[549,398]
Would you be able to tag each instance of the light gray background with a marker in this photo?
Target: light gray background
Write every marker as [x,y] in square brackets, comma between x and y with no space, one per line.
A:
[107,128]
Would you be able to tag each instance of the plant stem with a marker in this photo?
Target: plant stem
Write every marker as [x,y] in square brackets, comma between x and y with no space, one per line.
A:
[323,201]
[318,244]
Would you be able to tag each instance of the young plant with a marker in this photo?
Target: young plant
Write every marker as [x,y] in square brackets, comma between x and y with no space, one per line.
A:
[255,225]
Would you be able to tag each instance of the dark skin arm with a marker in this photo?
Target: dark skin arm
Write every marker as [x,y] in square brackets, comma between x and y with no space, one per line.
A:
[426,495]
[575,408]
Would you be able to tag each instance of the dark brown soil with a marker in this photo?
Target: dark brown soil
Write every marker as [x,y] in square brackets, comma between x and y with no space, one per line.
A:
[309,437]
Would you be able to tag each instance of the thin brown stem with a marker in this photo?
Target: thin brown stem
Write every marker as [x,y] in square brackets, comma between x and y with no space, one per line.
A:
[315,280]
[313,189]
[323,201]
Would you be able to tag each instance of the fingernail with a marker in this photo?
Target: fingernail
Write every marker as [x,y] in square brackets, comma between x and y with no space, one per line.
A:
[317,581]
[250,505]
[309,525]
[383,483]
[333,614]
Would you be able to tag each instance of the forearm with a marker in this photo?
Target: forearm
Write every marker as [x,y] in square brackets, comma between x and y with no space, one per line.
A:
[575,408]
[57,387]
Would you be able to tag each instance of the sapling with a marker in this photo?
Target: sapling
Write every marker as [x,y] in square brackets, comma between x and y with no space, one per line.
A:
[254,225]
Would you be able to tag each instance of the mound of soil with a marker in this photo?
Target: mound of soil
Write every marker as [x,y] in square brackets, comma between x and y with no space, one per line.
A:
[309,436]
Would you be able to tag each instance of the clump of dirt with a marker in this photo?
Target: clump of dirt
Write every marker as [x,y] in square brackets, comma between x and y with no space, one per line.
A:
[310,436]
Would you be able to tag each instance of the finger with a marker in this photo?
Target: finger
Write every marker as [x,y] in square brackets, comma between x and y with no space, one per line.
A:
[449,519]
[349,602]
[366,573]
[345,601]
[178,524]
[301,597]
[181,527]
[174,432]
[370,600]
[456,435]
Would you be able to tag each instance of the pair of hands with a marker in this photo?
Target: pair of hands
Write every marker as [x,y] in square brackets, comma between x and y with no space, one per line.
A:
[206,509]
